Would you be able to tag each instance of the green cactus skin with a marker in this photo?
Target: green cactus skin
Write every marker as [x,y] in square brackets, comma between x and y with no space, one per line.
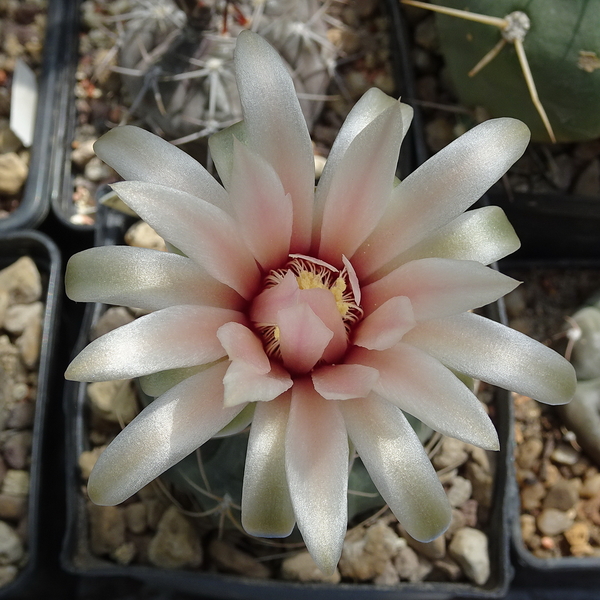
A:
[560,30]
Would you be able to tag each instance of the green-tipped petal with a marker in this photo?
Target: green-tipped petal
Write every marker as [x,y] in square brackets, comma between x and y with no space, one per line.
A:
[266,506]
[398,466]
[497,354]
[143,278]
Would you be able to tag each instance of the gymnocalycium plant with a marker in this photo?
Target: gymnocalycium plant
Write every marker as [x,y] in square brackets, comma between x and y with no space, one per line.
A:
[559,46]
[176,59]
[318,315]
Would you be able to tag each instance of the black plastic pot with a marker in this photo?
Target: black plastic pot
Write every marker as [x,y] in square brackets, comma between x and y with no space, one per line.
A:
[567,235]
[76,556]
[35,201]
[45,254]
[66,116]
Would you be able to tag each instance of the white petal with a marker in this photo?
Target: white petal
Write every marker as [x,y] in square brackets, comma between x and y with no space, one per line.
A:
[221,149]
[139,155]
[442,188]
[266,506]
[200,230]
[175,337]
[420,385]
[239,423]
[439,287]
[156,384]
[143,278]
[483,234]
[243,384]
[497,354]
[398,466]
[276,127]
[316,461]
[166,431]
[359,189]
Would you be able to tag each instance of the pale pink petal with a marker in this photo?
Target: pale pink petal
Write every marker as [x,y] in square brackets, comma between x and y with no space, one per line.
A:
[441,189]
[268,303]
[139,155]
[303,337]
[241,344]
[494,353]
[166,431]
[316,463]
[276,128]
[398,466]
[174,337]
[266,505]
[143,278]
[200,230]
[262,209]
[361,185]
[372,103]
[439,287]
[341,382]
[483,234]
[386,325]
[420,385]
[324,305]
[243,384]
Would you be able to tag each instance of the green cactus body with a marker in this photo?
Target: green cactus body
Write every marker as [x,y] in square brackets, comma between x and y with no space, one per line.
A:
[563,51]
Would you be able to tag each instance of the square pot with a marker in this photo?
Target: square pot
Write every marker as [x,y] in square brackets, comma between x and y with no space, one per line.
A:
[44,253]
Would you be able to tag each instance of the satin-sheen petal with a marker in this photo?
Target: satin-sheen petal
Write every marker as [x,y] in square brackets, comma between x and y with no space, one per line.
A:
[175,337]
[166,431]
[398,466]
[386,325]
[303,337]
[345,381]
[139,155]
[200,230]
[439,287]
[276,127]
[497,354]
[421,386]
[221,149]
[242,344]
[483,234]
[372,103]
[442,188]
[243,384]
[316,464]
[143,278]
[262,209]
[361,185]
[266,505]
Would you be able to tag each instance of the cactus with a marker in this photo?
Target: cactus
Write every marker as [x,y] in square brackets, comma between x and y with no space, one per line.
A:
[582,414]
[563,52]
[177,65]
[213,478]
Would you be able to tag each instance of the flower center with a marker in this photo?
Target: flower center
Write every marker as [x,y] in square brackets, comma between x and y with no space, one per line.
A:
[300,274]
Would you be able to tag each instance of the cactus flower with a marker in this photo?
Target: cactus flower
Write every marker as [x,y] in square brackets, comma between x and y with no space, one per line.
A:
[317,314]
